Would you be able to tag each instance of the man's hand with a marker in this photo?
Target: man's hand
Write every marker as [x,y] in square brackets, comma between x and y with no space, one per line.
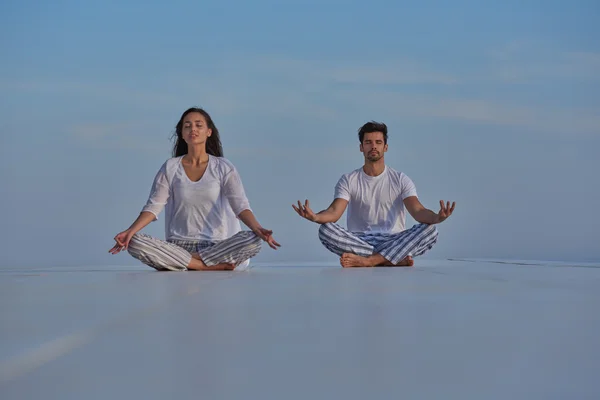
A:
[445,211]
[304,211]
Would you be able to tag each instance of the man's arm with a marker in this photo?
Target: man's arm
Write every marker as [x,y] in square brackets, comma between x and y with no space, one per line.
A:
[332,214]
[426,216]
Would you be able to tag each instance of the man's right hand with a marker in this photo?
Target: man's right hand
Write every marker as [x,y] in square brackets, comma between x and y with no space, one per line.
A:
[305,212]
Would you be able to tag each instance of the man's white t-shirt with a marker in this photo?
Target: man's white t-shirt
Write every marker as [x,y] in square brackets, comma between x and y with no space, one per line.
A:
[375,203]
[202,210]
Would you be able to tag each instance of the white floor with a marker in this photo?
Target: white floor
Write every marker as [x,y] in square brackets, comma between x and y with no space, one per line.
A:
[442,330]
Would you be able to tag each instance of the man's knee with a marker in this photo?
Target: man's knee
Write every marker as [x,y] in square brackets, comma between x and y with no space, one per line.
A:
[429,233]
[432,229]
[428,239]
[429,227]
[426,230]
[325,231]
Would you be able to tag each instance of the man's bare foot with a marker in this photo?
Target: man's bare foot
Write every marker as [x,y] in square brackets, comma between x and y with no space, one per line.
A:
[407,262]
[196,264]
[349,260]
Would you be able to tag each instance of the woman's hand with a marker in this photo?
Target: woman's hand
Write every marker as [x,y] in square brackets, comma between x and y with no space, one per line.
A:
[267,236]
[122,240]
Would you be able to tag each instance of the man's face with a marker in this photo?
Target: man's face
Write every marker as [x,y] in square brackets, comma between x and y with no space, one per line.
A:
[373,146]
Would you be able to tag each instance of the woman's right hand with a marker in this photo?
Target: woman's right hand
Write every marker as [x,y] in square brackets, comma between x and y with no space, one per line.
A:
[122,240]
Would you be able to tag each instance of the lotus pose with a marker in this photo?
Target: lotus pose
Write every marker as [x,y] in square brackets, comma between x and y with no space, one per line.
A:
[204,200]
[377,197]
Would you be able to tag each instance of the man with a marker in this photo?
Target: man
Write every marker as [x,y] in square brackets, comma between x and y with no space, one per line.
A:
[376,196]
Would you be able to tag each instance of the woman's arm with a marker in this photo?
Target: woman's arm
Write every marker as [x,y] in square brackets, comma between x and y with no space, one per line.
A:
[235,194]
[159,194]
[123,238]
[248,218]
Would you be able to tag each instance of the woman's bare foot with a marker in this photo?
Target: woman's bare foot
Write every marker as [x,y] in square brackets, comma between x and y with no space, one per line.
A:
[221,267]
[196,264]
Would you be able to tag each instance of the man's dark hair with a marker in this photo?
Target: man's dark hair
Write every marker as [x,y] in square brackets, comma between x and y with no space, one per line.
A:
[373,126]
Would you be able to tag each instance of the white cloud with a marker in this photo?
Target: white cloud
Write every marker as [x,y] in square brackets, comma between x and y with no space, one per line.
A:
[282,87]
[122,135]
[527,61]
[401,73]
[391,72]
[544,119]
[298,153]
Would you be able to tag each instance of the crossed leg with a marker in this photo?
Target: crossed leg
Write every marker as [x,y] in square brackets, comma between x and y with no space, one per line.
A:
[399,248]
[158,254]
[361,250]
[196,264]
[227,254]
[166,256]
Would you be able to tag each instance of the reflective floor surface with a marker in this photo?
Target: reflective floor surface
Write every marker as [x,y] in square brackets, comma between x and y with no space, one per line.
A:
[451,329]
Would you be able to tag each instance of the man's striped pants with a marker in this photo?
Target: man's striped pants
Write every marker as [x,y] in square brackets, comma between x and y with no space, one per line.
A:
[394,247]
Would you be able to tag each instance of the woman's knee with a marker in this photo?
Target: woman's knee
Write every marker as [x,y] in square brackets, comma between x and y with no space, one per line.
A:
[255,239]
[251,241]
[252,246]
[249,238]
[139,244]
[137,239]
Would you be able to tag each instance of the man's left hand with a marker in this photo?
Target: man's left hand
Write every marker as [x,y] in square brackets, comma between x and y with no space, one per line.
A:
[445,210]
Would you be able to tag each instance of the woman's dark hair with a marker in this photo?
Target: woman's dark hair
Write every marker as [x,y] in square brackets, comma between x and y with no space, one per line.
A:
[213,142]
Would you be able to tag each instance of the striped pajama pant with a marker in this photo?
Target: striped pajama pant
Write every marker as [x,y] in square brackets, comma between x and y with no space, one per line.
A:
[395,247]
[175,255]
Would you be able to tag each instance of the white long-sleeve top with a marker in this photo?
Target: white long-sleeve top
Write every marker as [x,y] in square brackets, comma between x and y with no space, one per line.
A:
[202,210]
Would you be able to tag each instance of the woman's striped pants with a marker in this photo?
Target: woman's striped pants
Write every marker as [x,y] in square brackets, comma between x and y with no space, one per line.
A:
[175,255]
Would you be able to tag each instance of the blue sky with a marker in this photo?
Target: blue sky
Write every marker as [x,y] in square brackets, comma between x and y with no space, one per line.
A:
[491,104]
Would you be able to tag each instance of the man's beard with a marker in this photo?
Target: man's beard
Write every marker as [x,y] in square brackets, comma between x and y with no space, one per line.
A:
[373,157]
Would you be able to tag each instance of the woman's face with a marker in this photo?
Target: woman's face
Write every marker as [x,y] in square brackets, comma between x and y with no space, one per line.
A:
[194,129]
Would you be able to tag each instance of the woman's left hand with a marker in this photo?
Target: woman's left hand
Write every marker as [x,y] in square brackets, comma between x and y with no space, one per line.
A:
[267,236]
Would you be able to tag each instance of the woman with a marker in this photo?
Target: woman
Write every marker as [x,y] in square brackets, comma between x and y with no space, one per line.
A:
[204,200]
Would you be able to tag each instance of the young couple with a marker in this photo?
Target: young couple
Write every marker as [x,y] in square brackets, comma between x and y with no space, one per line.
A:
[204,201]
